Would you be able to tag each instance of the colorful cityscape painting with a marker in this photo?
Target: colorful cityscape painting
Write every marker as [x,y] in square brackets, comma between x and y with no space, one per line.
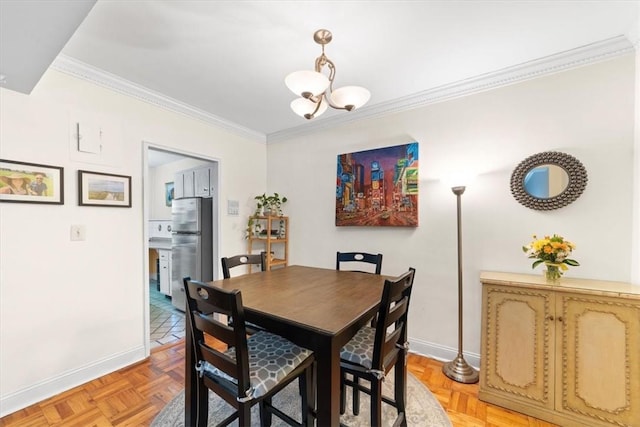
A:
[378,187]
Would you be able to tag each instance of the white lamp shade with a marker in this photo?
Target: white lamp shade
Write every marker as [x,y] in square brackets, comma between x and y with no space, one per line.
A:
[307,81]
[350,95]
[302,106]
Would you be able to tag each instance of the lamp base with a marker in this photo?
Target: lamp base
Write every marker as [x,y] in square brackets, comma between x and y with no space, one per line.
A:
[459,370]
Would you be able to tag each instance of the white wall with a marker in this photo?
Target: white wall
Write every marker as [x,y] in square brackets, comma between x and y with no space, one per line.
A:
[634,36]
[586,112]
[72,311]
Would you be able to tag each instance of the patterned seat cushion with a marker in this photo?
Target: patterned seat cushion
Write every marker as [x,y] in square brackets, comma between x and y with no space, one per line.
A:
[359,349]
[271,358]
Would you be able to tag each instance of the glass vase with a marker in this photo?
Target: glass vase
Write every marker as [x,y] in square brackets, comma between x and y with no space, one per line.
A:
[552,273]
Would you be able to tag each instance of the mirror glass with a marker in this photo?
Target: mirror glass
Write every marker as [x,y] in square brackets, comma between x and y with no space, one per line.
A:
[546,181]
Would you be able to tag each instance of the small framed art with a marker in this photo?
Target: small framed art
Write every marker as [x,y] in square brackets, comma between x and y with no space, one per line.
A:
[168,193]
[104,189]
[22,182]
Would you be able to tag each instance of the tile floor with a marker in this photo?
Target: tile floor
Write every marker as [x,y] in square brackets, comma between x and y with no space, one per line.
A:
[167,322]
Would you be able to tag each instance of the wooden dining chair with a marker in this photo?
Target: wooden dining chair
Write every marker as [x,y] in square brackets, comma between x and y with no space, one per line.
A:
[236,261]
[252,369]
[249,259]
[373,352]
[359,258]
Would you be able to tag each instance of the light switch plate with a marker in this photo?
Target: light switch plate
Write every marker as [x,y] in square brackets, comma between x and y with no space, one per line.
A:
[233,207]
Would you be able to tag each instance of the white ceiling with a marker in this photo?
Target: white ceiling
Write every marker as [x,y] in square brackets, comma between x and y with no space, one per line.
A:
[157,158]
[32,33]
[228,59]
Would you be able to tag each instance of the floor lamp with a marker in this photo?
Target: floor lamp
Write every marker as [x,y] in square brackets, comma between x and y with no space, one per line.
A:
[458,369]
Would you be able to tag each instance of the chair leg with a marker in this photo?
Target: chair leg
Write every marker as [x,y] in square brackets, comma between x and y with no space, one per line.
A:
[266,416]
[244,414]
[400,387]
[308,398]
[356,395]
[203,405]
[376,403]
[343,396]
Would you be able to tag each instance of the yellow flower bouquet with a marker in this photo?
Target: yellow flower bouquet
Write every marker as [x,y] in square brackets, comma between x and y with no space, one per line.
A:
[552,251]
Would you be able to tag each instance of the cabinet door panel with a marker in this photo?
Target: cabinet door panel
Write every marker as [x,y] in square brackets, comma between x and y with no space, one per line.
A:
[165,272]
[178,186]
[189,184]
[600,358]
[202,184]
[519,338]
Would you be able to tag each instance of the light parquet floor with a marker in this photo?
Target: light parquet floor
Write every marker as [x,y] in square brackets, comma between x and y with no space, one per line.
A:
[133,396]
[461,402]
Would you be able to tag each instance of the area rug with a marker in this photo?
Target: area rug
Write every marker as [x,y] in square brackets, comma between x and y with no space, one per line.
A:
[422,408]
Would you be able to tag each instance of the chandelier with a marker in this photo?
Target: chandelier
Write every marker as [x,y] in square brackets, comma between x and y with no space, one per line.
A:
[316,89]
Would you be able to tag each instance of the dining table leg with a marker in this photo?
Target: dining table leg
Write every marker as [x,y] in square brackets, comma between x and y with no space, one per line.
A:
[328,383]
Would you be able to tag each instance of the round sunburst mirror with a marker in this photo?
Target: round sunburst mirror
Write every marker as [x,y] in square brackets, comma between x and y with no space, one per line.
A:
[549,180]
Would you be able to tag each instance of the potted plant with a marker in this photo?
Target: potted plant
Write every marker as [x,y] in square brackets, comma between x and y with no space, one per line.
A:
[266,206]
[269,205]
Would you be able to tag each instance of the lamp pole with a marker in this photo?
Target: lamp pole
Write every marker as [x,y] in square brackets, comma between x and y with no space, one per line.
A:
[458,369]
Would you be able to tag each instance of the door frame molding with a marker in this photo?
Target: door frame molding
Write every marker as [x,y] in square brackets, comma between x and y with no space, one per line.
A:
[216,228]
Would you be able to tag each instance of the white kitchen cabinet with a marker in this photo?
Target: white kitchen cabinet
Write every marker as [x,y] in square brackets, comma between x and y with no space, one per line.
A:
[184,184]
[178,185]
[203,184]
[567,353]
[189,183]
[196,182]
[165,271]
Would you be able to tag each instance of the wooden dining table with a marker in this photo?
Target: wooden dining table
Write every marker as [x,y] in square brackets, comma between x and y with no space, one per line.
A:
[320,309]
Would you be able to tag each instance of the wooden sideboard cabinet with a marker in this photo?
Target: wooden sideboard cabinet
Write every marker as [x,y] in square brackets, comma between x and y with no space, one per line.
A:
[567,353]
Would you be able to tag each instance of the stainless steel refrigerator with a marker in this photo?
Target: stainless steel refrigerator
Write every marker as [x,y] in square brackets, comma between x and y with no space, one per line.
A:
[191,244]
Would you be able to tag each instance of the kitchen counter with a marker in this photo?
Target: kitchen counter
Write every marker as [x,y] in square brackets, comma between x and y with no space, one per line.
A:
[160,243]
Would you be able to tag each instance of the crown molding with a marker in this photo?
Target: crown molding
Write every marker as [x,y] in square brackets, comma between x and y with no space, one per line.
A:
[634,33]
[578,57]
[73,67]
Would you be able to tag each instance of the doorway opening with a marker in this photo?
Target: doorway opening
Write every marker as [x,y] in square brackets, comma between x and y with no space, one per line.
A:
[163,167]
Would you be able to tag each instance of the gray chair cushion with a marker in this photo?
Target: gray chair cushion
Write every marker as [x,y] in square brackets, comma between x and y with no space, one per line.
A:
[359,349]
[271,358]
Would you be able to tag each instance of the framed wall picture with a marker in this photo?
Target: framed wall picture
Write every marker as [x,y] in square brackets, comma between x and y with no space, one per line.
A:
[104,189]
[22,182]
[168,193]
[378,187]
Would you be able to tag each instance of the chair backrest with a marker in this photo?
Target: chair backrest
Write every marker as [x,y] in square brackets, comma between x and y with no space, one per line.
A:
[360,257]
[391,323]
[203,303]
[249,259]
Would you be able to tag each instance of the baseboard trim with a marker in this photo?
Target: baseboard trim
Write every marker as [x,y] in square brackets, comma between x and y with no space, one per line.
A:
[45,389]
[440,352]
